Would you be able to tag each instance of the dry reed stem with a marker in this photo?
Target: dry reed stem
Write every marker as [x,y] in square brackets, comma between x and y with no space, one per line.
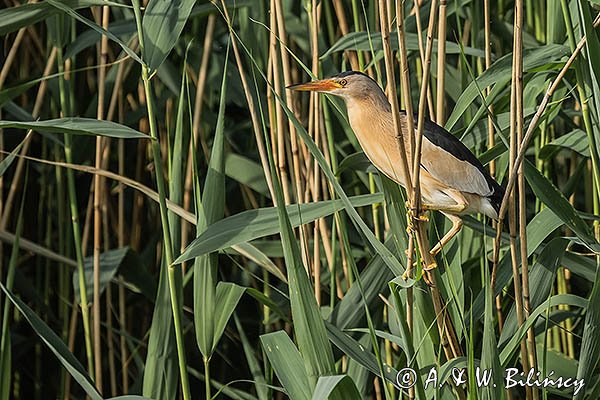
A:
[417,11]
[445,323]
[253,115]
[16,181]
[197,136]
[341,17]
[448,337]
[103,58]
[516,123]
[316,135]
[491,131]
[441,66]
[406,92]
[527,138]
[11,56]
[121,243]
[279,145]
[287,80]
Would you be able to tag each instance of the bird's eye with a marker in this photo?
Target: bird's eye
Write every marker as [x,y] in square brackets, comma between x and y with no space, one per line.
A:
[343,82]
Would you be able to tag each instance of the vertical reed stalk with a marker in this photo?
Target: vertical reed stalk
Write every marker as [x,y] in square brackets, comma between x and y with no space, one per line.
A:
[410,127]
[196,123]
[441,65]
[253,115]
[279,144]
[121,243]
[449,340]
[516,127]
[417,11]
[85,315]
[35,113]
[526,139]
[287,79]
[97,202]
[490,130]
[343,24]
[164,218]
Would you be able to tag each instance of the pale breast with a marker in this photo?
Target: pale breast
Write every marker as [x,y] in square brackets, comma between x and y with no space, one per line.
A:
[376,136]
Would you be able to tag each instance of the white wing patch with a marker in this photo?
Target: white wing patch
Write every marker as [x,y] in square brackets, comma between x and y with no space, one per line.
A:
[451,171]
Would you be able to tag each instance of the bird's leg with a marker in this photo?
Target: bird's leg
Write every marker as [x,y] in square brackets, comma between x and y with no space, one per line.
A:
[456,227]
[414,215]
[450,208]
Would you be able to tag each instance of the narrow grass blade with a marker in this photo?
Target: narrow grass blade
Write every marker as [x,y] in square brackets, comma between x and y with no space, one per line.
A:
[364,41]
[308,322]
[499,75]
[91,37]
[14,18]
[575,140]
[78,126]
[490,360]
[13,92]
[6,369]
[590,344]
[513,345]
[357,352]
[64,7]
[5,334]
[260,384]
[349,312]
[255,224]
[557,202]
[543,273]
[60,350]
[8,160]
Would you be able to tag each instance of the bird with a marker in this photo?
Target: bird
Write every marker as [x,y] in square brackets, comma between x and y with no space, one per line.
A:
[452,179]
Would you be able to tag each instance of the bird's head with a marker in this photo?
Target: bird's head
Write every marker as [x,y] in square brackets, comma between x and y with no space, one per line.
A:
[351,85]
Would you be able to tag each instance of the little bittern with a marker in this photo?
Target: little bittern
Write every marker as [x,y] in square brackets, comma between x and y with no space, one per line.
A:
[453,181]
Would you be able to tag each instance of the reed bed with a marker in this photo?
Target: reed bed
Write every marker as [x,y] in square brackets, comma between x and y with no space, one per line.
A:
[175,224]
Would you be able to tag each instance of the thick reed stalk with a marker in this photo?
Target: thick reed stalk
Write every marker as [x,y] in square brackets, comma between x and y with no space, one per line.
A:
[122,242]
[279,144]
[449,340]
[410,125]
[287,79]
[490,129]
[97,202]
[417,10]
[441,66]
[197,119]
[6,66]
[343,24]
[164,218]
[71,189]
[37,107]
[316,135]
[264,160]
[444,322]
[527,138]
[516,126]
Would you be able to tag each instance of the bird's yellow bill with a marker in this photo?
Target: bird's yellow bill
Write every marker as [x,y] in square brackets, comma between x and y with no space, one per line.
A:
[323,85]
